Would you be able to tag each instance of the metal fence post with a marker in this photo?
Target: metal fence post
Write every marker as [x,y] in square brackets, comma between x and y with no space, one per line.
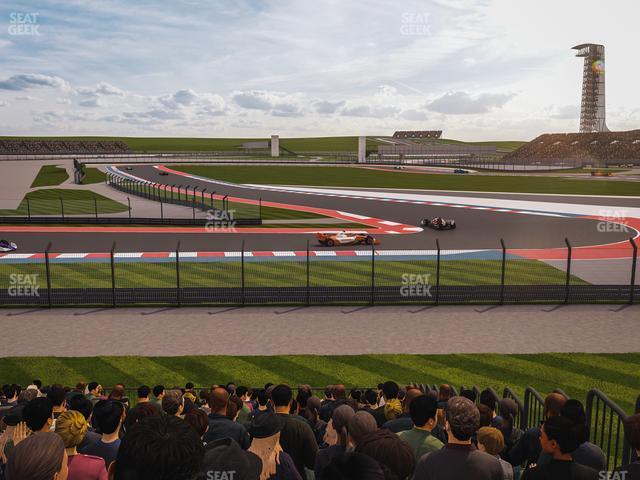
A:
[242,272]
[504,264]
[113,275]
[438,272]
[28,208]
[95,205]
[62,207]
[48,273]
[634,263]
[161,212]
[178,295]
[129,204]
[373,274]
[568,280]
[308,283]
[260,208]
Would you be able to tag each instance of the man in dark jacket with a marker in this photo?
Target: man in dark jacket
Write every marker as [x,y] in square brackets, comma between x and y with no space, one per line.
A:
[296,438]
[220,426]
[459,459]
[558,439]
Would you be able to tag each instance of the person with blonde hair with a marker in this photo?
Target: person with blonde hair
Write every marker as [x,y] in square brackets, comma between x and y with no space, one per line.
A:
[491,441]
[71,426]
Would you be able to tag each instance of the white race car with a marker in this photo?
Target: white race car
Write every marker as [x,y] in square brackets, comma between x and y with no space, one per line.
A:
[7,246]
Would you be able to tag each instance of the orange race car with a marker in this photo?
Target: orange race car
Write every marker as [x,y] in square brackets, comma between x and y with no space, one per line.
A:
[331,239]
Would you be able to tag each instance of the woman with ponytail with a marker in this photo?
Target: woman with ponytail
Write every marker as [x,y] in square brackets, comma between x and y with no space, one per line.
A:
[337,437]
[71,426]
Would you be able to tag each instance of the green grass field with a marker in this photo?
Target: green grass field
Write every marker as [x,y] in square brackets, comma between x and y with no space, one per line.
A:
[93,175]
[287,273]
[576,373]
[76,202]
[50,175]
[359,177]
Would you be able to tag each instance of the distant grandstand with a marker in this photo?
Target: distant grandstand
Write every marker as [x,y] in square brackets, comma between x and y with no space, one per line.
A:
[61,147]
[579,149]
[417,134]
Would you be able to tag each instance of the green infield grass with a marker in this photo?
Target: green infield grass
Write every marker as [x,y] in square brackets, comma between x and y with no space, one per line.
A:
[75,202]
[575,373]
[287,273]
[50,175]
[371,178]
[93,175]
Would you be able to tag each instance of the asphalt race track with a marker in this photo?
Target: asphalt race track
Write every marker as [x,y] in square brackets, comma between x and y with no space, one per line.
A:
[477,229]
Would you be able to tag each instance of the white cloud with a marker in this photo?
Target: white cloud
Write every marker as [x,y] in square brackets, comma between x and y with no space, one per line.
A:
[461,103]
[278,103]
[368,111]
[32,80]
[566,112]
[324,106]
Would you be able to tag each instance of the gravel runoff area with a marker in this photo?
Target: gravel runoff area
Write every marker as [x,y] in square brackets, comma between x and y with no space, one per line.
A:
[321,330]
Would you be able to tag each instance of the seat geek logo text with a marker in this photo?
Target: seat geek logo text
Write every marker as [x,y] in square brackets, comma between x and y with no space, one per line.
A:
[22,23]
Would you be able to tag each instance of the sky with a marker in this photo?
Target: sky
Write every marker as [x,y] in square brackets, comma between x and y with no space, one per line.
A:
[476,69]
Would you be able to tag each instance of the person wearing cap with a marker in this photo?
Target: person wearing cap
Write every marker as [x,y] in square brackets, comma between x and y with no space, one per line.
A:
[459,458]
[337,436]
[71,426]
[265,443]
[491,440]
[423,411]
[221,426]
[558,438]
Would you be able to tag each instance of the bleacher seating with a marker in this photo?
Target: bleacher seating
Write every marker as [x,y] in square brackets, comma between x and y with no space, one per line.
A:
[417,134]
[601,147]
[61,147]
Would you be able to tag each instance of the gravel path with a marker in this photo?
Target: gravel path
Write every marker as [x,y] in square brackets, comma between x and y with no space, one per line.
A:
[320,330]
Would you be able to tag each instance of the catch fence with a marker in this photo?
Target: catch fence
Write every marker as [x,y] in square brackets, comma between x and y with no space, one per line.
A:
[306,277]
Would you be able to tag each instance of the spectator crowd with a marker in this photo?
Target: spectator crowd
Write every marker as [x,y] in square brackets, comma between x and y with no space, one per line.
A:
[229,432]
[612,147]
[60,147]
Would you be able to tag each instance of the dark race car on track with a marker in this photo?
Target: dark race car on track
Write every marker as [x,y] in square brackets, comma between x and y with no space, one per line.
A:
[331,239]
[7,246]
[439,223]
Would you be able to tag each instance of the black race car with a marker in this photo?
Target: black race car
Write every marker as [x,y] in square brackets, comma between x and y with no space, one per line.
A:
[163,173]
[439,223]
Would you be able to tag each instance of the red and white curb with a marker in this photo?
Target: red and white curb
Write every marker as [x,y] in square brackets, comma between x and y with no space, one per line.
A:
[237,254]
